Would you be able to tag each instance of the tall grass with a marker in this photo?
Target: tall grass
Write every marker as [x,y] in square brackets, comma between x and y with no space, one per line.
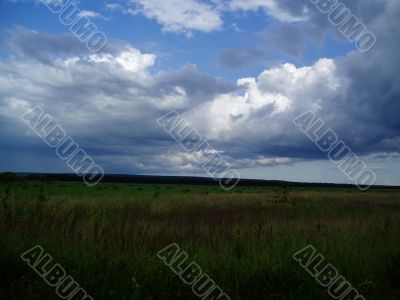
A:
[244,241]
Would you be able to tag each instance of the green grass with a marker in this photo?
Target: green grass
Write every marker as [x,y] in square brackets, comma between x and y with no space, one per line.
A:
[107,239]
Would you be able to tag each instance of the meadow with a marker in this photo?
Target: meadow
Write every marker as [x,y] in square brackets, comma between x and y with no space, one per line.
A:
[107,238]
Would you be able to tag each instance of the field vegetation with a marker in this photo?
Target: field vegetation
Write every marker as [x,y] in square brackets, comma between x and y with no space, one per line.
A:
[107,238]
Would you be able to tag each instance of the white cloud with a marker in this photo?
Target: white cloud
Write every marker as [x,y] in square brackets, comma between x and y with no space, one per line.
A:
[180,16]
[178,161]
[268,103]
[271,7]
[110,101]
[113,6]
[187,16]
[196,15]
[129,59]
[91,14]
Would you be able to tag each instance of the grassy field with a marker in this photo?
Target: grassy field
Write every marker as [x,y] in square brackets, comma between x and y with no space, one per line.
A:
[107,238]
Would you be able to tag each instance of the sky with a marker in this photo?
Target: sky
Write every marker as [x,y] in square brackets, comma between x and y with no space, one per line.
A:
[239,71]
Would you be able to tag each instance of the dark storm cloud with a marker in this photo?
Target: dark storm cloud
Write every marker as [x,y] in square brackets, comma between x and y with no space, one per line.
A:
[108,103]
[365,108]
[289,39]
[292,38]
[29,44]
[371,103]
[24,43]
[238,58]
[199,87]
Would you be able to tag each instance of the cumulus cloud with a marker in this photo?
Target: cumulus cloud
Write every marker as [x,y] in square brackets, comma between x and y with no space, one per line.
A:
[271,7]
[91,14]
[179,16]
[110,101]
[261,113]
[187,16]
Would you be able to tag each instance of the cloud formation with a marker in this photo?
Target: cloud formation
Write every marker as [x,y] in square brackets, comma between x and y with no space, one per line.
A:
[179,16]
[270,7]
[110,101]
[197,15]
